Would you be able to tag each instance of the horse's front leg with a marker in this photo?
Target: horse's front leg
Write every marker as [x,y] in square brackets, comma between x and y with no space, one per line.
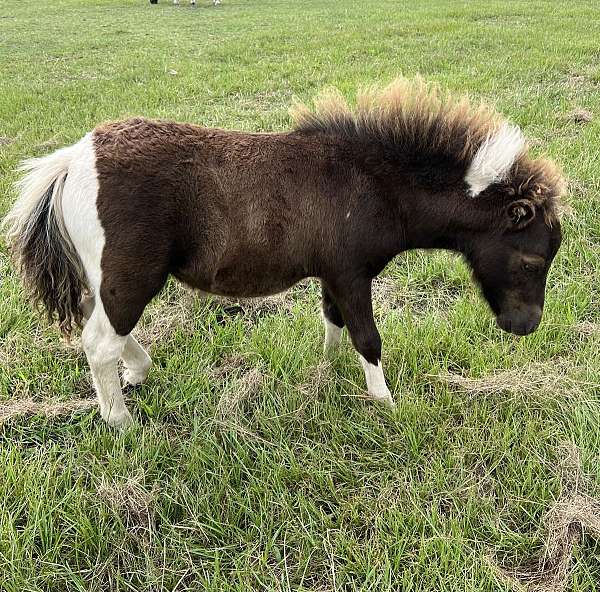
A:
[356,307]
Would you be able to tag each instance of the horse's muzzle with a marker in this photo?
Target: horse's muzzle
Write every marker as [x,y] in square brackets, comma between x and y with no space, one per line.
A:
[521,322]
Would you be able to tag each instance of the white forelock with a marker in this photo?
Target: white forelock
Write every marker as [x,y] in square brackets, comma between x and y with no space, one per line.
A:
[494,158]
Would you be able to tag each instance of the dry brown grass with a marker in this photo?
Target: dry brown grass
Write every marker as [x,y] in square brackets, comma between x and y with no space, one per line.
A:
[573,514]
[237,393]
[130,499]
[580,115]
[436,297]
[316,378]
[177,310]
[559,378]
[587,328]
[172,311]
[15,408]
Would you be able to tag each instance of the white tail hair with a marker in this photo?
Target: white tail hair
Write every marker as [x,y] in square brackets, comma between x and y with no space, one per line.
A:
[38,239]
[494,158]
[41,174]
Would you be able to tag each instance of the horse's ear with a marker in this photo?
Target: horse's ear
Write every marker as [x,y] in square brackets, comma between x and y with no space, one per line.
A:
[520,214]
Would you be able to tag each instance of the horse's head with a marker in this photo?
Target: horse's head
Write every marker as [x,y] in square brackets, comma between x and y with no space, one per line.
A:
[512,263]
[512,257]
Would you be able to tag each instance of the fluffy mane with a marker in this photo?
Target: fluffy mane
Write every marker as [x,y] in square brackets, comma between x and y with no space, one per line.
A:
[426,125]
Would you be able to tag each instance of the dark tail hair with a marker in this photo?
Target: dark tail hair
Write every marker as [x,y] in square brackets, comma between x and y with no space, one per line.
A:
[39,243]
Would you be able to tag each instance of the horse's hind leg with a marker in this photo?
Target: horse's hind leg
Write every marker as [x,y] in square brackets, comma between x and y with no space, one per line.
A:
[332,319]
[136,360]
[103,347]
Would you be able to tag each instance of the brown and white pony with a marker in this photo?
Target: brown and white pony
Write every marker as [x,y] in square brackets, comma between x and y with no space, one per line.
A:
[100,225]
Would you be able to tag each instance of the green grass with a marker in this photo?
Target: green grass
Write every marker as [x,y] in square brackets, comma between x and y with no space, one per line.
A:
[252,464]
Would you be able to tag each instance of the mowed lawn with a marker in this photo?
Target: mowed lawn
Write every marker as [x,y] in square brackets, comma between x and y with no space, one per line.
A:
[254,464]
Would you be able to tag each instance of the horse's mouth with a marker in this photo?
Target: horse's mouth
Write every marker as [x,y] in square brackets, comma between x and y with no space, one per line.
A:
[519,325]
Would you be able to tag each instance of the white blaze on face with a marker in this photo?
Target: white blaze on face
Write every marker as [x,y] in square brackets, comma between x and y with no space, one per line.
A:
[494,158]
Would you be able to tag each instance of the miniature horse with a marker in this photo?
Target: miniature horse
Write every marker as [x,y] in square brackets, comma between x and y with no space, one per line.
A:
[100,225]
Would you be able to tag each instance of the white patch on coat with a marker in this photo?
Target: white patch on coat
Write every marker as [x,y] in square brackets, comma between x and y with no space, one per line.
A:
[333,334]
[376,386]
[494,158]
[79,210]
[102,345]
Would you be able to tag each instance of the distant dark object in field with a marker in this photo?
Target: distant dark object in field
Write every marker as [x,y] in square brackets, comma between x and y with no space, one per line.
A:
[99,226]
[192,2]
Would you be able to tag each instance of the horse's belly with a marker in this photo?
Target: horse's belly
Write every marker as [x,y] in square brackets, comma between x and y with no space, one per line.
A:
[247,281]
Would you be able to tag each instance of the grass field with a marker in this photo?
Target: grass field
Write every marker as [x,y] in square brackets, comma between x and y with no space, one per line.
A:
[254,464]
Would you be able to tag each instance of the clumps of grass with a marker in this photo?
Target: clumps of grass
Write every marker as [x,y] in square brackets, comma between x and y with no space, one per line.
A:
[20,407]
[130,499]
[316,378]
[558,378]
[587,328]
[580,116]
[438,296]
[253,309]
[573,514]
[237,393]
[176,309]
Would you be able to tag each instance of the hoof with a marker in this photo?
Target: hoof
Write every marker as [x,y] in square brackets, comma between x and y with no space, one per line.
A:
[383,399]
[119,421]
[133,378]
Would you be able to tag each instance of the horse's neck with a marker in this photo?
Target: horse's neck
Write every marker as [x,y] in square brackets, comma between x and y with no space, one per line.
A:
[434,220]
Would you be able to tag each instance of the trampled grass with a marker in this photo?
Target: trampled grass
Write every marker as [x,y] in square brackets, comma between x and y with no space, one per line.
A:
[254,465]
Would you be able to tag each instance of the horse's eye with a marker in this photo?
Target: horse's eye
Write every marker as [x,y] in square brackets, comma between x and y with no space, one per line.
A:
[529,267]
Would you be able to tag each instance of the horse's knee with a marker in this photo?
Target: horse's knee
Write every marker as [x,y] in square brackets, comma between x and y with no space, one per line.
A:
[100,342]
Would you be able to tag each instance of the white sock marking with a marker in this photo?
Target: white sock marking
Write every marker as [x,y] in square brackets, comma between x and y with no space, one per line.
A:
[376,385]
[103,347]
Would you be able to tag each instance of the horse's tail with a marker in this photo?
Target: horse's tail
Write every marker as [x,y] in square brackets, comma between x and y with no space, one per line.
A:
[39,242]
